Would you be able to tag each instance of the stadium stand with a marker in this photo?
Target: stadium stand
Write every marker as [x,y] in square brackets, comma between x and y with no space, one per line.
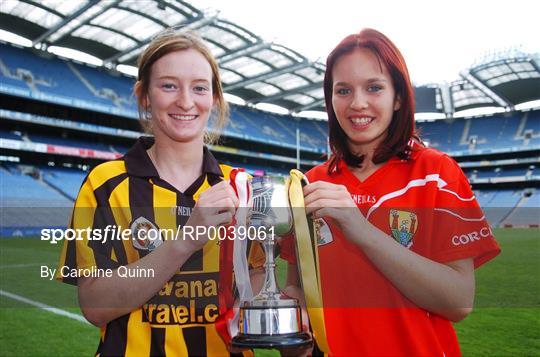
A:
[114,88]
[10,135]
[498,204]
[49,103]
[21,190]
[462,135]
[66,181]
[87,84]
[29,203]
[67,142]
[525,212]
[38,74]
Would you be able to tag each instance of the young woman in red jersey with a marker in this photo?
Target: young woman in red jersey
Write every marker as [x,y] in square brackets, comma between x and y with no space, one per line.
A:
[403,230]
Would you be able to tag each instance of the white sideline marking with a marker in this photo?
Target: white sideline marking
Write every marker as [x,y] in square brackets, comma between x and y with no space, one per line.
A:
[54,310]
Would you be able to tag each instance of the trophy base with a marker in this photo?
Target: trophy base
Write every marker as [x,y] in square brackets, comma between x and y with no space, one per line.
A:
[272,341]
[271,324]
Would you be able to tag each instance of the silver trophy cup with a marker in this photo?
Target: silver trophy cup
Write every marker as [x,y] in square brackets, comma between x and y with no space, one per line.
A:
[271,319]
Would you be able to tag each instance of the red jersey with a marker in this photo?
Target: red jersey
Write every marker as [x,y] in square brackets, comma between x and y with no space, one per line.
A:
[425,204]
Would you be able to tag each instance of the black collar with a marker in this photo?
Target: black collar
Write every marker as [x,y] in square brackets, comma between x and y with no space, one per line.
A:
[138,162]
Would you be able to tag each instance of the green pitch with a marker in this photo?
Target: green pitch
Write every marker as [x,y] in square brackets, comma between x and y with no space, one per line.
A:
[506,319]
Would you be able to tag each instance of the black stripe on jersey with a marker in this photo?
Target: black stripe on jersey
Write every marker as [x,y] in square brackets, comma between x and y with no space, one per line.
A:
[195,338]
[183,201]
[195,261]
[157,345]
[103,217]
[141,198]
[115,339]
[141,201]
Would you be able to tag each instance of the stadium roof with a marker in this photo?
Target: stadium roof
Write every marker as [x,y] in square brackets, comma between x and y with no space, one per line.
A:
[116,31]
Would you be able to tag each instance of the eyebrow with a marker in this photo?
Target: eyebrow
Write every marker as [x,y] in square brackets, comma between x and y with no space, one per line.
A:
[175,78]
[371,80]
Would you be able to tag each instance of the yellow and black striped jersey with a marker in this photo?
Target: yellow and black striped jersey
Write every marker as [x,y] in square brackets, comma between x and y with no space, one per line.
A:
[128,194]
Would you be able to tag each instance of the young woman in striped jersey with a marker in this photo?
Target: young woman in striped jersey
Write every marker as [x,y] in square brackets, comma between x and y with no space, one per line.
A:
[165,181]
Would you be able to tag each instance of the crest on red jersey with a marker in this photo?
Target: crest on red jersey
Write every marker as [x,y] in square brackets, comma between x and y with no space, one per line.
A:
[403,226]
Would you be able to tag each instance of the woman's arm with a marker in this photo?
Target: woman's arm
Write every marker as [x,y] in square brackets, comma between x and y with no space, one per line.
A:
[444,289]
[103,299]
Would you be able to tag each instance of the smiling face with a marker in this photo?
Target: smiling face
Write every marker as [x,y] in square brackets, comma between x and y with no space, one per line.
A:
[363,99]
[180,96]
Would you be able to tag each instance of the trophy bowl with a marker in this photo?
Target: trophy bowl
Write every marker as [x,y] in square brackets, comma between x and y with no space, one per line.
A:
[271,319]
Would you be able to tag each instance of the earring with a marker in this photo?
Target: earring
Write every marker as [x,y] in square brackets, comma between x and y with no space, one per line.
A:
[148,113]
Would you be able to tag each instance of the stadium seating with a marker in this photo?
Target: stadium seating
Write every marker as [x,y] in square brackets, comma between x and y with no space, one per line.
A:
[67,181]
[20,189]
[48,139]
[28,71]
[442,134]
[486,133]
[9,135]
[117,89]
[53,76]
[53,187]
[498,204]
[28,202]
[526,212]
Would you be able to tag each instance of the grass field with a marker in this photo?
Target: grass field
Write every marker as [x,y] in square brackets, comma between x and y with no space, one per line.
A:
[505,322]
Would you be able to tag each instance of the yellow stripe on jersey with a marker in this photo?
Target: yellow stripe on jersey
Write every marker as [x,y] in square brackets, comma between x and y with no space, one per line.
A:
[83,217]
[211,256]
[205,185]
[226,169]
[139,336]
[214,342]
[174,345]
[104,172]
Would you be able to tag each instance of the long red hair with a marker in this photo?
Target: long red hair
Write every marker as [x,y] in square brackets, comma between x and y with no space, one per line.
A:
[402,128]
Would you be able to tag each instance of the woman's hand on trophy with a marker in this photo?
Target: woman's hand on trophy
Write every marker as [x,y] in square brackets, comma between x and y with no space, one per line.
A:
[325,199]
[215,207]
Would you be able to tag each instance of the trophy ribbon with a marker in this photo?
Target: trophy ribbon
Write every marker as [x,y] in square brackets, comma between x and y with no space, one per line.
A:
[240,263]
[308,260]
[234,252]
